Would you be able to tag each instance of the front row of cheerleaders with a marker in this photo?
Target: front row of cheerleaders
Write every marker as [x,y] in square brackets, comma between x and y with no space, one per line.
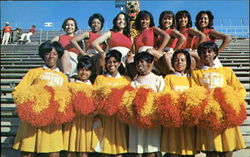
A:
[99,135]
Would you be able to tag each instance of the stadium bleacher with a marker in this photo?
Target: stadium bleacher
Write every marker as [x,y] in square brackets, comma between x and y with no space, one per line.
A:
[16,60]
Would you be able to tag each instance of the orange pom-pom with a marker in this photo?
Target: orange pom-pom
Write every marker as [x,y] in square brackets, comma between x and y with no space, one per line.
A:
[169,109]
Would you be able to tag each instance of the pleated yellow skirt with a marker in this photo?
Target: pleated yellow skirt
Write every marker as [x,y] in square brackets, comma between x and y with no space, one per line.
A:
[109,135]
[41,140]
[179,141]
[77,134]
[229,140]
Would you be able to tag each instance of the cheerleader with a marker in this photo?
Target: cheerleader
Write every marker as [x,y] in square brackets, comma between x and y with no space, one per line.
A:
[118,38]
[77,134]
[110,134]
[204,23]
[211,76]
[145,141]
[184,25]
[95,22]
[68,61]
[49,139]
[179,141]
[168,24]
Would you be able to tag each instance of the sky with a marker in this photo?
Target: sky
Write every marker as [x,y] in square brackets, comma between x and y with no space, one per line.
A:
[23,14]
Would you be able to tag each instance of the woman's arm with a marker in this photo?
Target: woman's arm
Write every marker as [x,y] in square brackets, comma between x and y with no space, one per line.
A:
[181,38]
[78,38]
[55,39]
[199,34]
[165,36]
[225,38]
[96,43]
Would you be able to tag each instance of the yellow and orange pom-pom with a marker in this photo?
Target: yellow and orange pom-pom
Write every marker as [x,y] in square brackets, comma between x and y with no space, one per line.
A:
[212,117]
[35,105]
[232,105]
[107,99]
[65,111]
[194,101]
[125,110]
[101,94]
[145,108]
[82,98]
[169,109]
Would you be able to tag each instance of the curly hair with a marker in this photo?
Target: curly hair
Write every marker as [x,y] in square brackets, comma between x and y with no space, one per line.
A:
[96,16]
[210,18]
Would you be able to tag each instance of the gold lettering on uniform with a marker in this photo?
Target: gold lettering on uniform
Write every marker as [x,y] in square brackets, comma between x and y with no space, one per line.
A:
[180,88]
[52,79]
[212,80]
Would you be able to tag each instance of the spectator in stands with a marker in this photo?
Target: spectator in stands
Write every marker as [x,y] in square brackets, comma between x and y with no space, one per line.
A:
[27,35]
[95,22]
[48,139]
[217,144]
[6,33]
[16,35]
[204,23]
[68,62]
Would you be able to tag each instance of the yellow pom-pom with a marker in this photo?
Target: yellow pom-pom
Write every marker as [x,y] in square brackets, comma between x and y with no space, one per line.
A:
[62,97]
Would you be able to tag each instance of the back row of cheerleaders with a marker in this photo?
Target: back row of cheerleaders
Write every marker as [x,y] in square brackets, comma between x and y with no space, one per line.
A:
[197,107]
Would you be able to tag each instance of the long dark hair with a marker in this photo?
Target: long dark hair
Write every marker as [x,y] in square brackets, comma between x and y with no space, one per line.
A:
[126,30]
[167,13]
[179,15]
[141,15]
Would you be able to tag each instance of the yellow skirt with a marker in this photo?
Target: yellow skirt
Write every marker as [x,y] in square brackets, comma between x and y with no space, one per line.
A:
[109,135]
[231,139]
[77,134]
[41,140]
[179,141]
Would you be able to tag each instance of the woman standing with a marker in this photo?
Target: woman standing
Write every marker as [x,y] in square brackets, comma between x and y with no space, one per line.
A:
[211,76]
[77,134]
[69,59]
[95,22]
[49,139]
[168,24]
[145,142]
[118,38]
[179,141]
[113,137]
[184,25]
[204,23]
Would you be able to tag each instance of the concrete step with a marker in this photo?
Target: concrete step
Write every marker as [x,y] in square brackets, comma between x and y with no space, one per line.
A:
[20,59]
[33,55]
[21,63]
[30,66]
